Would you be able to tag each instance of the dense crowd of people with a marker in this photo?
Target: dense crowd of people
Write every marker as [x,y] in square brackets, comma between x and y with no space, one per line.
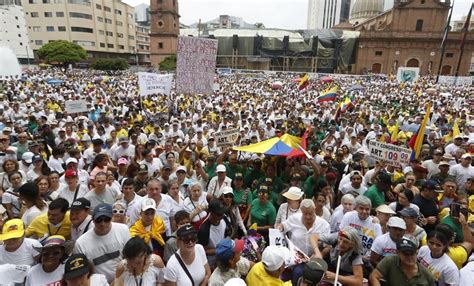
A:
[137,191]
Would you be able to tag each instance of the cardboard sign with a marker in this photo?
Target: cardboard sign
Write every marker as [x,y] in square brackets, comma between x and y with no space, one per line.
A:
[277,238]
[152,83]
[195,66]
[226,138]
[408,74]
[389,153]
[76,106]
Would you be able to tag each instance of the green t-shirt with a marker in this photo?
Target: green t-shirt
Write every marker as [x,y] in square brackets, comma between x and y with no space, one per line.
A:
[210,171]
[393,274]
[251,175]
[231,170]
[263,214]
[377,198]
[310,184]
[454,226]
[239,195]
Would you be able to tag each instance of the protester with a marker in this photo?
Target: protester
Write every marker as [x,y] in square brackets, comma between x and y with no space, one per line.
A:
[16,248]
[78,271]
[55,222]
[81,221]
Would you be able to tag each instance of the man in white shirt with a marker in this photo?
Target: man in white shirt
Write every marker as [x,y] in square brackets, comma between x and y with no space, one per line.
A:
[433,164]
[80,219]
[16,248]
[153,164]
[104,243]
[462,171]
[386,245]
[102,193]
[214,189]
[125,149]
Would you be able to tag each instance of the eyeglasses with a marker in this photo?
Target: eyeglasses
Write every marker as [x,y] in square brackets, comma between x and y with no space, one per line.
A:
[188,240]
[117,211]
[102,219]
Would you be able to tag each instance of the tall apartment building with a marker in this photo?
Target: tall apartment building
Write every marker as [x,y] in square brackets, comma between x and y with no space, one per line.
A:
[13,31]
[142,19]
[324,14]
[104,28]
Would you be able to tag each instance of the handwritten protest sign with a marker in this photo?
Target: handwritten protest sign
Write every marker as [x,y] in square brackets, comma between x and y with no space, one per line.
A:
[389,153]
[152,83]
[452,80]
[76,106]
[296,256]
[226,138]
[196,64]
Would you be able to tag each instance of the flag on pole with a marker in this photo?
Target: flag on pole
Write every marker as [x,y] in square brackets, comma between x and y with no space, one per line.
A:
[304,81]
[395,131]
[464,30]
[456,130]
[447,28]
[328,95]
[417,139]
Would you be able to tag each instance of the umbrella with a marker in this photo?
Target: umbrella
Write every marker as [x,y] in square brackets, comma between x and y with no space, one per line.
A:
[277,85]
[357,87]
[54,81]
[326,79]
[276,146]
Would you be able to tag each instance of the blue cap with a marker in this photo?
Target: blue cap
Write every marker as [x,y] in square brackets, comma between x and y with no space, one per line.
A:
[227,247]
[102,210]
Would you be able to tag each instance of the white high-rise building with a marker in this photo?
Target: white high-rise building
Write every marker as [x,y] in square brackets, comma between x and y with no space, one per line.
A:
[324,14]
[13,31]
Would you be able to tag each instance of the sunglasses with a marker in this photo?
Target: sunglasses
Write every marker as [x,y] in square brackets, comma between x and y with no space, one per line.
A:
[188,240]
[103,219]
[117,211]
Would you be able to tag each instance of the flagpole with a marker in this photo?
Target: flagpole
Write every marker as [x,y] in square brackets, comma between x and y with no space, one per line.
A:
[465,31]
[443,43]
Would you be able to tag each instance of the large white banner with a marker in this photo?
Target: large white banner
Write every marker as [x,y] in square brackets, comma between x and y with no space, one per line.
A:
[451,80]
[76,106]
[152,83]
[389,153]
[226,138]
[195,66]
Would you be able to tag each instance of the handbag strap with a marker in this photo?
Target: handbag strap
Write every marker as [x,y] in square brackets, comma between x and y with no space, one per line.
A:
[178,257]
[75,193]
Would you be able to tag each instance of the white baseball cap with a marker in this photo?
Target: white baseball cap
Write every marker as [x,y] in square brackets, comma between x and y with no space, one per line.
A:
[71,160]
[293,193]
[274,257]
[27,157]
[397,222]
[220,168]
[181,168]
[227,190]
[148,204]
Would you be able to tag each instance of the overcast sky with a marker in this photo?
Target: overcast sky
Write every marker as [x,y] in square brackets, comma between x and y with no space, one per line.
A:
[284,14]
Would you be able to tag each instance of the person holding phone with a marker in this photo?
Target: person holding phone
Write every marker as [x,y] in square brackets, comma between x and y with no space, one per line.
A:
[457,220]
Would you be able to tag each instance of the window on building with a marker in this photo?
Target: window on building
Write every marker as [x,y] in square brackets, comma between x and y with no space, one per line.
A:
[98,6]
[121,47]
[118,12]
[130,15]
[100,19]
[108,21]
[119,23]
[60,14]
[19,35]
[49,28]
[82,30]
[36,28]
[130,26]
[32,1]
[80,2]
[110,34]
[85,43]
[419,25]
[378,53]
[160,23]
[80,15]
[46,2]
[21,44]
[107,9]
[61,28]
[101,32]
[38,42]
[160,45]
[110,46]
[160,1]
[102,45]
[48,14]
[449,55]
[119,35]
[130,37]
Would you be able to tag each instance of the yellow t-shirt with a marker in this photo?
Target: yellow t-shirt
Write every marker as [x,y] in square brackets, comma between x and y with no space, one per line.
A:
[258,276]
[41,226]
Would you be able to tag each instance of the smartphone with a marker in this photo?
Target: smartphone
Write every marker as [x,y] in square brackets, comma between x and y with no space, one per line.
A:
[455,209]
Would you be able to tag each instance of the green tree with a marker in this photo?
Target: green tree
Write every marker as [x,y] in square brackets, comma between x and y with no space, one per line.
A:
[168,64]
[110,64]
[62,52]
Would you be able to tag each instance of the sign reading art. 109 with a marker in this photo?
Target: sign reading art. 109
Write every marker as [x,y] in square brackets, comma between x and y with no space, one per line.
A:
[389,153]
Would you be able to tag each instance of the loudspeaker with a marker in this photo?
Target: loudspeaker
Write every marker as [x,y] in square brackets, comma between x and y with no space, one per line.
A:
[235,42]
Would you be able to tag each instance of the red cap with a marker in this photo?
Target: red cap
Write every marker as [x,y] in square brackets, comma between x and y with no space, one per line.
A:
[70,173]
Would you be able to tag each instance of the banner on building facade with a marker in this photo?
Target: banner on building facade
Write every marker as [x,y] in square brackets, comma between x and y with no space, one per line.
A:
[389,153]
[152,83]
[196,65]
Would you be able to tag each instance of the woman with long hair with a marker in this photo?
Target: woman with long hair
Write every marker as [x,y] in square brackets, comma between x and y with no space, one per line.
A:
[9,166]
[238,226]
[54,184]
[171,160]
[40,167]
[140,266]
[42,182]
[433,256]
[293,196]
[174,193]
[404,199]
[11,197]
[409,183]
[138,156]
[321,209]
[35,205]
[99,165]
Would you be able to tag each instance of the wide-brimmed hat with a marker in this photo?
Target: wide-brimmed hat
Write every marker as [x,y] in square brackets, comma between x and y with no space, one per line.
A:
[293,193]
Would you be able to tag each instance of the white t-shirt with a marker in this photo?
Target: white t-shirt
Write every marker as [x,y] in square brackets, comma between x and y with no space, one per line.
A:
[37,277]
[104,251]
[349,189]
[108,196]
[300,236]
[66,194]
[98,280]
[368,230]
[189,206]
[443,269]
[466,273]
[461,174]
[56,164]
[393,206]
[285,213]
[9,198]
[432,167]
[175,273]
[384,246]
[31,213]
[13,274]
[336,218]
[153,166]
[23,255]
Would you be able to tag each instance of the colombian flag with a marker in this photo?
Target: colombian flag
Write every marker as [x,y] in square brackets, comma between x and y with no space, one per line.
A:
[328,95]
[417,139]
[304,81]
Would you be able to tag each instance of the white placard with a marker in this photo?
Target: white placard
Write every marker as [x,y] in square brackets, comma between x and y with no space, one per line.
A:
[452,80]
[389,153]
[76,106]
[405,74]
[277,238]
[152,83]
[195,66]
[226,138]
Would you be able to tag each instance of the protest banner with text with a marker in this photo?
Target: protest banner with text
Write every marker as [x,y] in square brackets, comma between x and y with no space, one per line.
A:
[226,138]
[389,153]
[152,83]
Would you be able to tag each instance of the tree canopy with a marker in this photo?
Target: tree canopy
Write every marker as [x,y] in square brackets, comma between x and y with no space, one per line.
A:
[62,52]
[168,64]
